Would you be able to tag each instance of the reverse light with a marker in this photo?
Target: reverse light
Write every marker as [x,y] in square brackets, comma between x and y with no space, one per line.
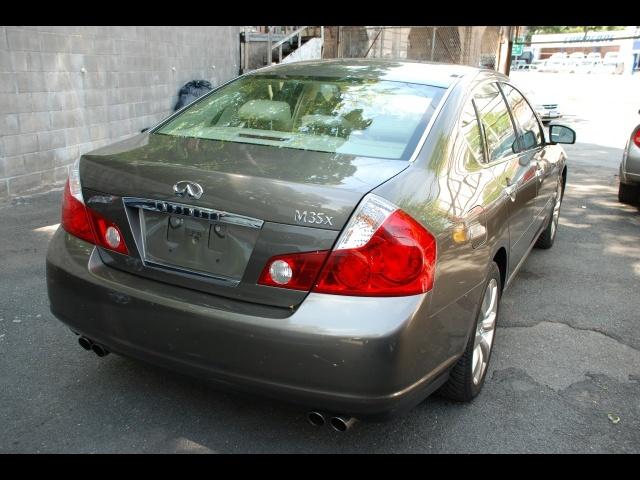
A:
[112,237]
[296,271]
[107,233]
[83,222]
[280,271]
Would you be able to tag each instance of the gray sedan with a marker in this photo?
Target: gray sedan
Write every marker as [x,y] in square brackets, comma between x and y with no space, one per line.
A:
[332,233]
[629,187]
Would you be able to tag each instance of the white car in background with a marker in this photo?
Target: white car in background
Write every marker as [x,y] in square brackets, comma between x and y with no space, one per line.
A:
[612,63]
[589,66]
[546,107]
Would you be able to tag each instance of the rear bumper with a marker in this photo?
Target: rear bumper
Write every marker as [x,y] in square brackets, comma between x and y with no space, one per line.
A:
[351,355]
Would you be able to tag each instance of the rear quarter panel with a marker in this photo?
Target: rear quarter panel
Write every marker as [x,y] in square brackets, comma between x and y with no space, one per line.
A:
[441,193]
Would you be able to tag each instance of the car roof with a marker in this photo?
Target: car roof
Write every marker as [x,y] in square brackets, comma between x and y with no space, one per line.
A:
[426,73]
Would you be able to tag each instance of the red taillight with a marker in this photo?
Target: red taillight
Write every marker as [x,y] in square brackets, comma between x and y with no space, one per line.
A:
[74,216]
[636,138]
[84,223]
[382,252]
[399,259]
[297,271]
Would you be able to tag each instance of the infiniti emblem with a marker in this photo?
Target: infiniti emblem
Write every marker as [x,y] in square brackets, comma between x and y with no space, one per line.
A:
[185,187]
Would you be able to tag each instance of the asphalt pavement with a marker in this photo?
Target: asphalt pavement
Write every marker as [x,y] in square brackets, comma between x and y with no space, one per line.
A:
[564,375]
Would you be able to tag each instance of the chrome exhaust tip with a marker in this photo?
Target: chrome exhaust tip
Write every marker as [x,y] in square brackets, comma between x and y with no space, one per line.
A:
[342,424]
[99,350]
[316,419]
[85,343]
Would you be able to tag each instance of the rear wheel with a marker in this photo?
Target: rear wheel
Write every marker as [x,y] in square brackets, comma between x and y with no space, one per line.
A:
[628,193]
[548,235]
[467,376]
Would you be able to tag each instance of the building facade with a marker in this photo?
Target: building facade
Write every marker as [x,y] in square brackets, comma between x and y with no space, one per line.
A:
[621,42]
[67,90]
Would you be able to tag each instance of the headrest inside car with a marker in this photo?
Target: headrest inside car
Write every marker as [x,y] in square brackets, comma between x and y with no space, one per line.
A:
[258,112]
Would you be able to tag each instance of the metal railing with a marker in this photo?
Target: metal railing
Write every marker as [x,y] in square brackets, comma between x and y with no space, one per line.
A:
[258,45]
[288,38]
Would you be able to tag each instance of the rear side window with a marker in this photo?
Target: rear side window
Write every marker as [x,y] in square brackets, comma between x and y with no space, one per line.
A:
[367,117]
[530,132]
[496,121]
[472,137]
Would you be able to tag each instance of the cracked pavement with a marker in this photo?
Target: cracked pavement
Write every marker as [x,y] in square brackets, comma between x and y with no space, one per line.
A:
[566,354]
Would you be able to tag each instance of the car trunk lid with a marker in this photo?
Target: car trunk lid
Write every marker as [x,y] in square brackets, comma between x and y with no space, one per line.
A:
[256,202]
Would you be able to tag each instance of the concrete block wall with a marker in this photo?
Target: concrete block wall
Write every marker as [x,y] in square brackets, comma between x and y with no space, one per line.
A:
[67,90]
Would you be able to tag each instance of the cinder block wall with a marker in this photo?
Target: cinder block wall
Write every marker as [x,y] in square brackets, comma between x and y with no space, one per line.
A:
[51,111]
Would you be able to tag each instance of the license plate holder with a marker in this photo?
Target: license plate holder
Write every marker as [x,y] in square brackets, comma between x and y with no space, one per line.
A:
[194,240]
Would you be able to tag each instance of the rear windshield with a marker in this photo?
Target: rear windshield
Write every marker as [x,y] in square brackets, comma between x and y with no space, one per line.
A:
[365,117]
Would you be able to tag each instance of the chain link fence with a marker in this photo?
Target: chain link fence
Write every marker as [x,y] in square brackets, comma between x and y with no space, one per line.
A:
[478,46]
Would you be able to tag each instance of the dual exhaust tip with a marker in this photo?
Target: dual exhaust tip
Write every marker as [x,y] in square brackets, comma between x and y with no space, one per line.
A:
[89,344]
[338,423]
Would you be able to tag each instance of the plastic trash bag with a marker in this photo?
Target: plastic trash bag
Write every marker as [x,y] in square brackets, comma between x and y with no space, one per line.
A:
[190,91]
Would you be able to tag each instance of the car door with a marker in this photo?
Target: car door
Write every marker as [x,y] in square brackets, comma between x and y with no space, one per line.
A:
[534,150]
[514,173]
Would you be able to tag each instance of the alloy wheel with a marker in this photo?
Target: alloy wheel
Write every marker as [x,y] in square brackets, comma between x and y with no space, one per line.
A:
[556,211]
[485,331]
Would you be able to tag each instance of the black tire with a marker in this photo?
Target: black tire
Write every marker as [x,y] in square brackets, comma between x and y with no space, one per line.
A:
[628,193]
[548,235]
[460,386]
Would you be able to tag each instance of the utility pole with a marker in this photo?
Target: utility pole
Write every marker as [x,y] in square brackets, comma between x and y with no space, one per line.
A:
[503,65]
[269,52]
[510,49]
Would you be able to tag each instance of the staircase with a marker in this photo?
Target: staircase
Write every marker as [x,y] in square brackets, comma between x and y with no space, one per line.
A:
[271,45]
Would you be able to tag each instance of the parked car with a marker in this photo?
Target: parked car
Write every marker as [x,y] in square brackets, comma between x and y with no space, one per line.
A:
[548,108]
[555,65]
[612,63]
[519,64]
[526,67]
[575,61]
[629,187]
[333,233]
[589,66]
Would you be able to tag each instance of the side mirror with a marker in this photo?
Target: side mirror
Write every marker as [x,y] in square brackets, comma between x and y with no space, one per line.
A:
[144,129]
[561,134]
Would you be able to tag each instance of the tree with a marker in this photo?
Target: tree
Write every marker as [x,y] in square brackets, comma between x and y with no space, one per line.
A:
[572,29]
